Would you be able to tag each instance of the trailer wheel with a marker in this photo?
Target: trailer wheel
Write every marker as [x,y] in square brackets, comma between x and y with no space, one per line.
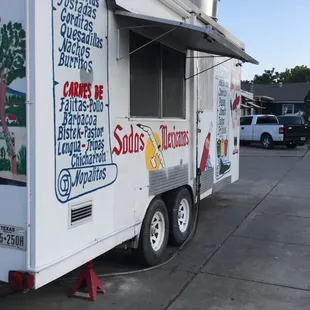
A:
[180,208]
[154,234]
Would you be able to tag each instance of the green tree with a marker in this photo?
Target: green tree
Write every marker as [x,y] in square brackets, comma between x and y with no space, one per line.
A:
[2,152]
[296,75]
[5,164]
[293,75]
[247,82]
[268,77]
[22,161]
[12,67]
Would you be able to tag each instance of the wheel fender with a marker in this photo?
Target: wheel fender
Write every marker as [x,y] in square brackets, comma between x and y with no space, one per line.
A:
[265,133]
[188,187]
[140,219]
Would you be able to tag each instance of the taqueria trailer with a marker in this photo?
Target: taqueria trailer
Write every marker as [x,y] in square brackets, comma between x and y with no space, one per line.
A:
[115,115]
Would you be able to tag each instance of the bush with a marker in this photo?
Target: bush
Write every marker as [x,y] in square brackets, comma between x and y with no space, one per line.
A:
[22,161]
[5,164]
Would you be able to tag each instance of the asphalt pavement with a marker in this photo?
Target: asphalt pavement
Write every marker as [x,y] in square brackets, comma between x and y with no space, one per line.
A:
[251,251]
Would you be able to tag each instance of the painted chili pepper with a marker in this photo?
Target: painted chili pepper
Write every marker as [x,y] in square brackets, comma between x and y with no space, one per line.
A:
[205,150]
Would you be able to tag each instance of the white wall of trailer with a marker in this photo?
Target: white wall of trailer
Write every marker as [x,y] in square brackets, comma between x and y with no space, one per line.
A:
[115,178]
[119,201]
[219,85]
[64,180]
[136,165]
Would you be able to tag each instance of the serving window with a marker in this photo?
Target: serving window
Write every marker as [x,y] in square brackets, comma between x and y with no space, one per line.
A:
[157,84]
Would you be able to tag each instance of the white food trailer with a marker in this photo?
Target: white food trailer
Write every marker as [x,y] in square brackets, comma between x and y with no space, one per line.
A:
[116,116]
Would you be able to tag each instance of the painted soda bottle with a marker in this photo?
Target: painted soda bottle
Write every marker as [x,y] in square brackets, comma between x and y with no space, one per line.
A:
[222,147]
[205,150]
[218,146]
[226,146]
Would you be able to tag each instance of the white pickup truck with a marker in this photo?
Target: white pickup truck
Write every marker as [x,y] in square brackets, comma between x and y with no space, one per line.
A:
[267,130]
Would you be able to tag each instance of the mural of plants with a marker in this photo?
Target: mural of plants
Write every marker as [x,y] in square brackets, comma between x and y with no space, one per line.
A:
[12,67]
[22,161]
[2,152]
[5,164]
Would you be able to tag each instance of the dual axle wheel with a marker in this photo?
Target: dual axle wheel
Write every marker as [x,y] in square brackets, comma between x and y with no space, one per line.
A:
[164,222]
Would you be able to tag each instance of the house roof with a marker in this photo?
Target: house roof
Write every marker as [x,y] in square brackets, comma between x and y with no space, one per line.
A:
[286,92]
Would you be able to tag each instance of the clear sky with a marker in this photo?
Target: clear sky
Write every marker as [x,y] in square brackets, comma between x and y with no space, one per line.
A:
[275,32]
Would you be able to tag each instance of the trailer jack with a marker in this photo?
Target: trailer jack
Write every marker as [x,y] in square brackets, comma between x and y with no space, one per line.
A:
[89,280]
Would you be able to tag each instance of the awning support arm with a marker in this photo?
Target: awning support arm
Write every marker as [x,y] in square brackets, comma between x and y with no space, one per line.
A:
[210,56]
[187,78]
[144,45]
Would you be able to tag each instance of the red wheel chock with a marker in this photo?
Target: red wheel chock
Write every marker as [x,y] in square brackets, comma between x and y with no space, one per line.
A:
[89,279]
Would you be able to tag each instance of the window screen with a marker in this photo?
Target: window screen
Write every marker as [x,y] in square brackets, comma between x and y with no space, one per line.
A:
[156,80]
[173,83]
[144,77]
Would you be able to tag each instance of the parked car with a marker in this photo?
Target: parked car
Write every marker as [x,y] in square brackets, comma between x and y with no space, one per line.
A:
[267,130]
[295,128]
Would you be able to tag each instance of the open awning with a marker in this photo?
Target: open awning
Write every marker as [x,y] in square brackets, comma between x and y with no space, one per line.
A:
[183,36]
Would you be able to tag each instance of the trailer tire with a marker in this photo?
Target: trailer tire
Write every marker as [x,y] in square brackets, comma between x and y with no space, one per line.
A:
[180,210]
[154,234]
